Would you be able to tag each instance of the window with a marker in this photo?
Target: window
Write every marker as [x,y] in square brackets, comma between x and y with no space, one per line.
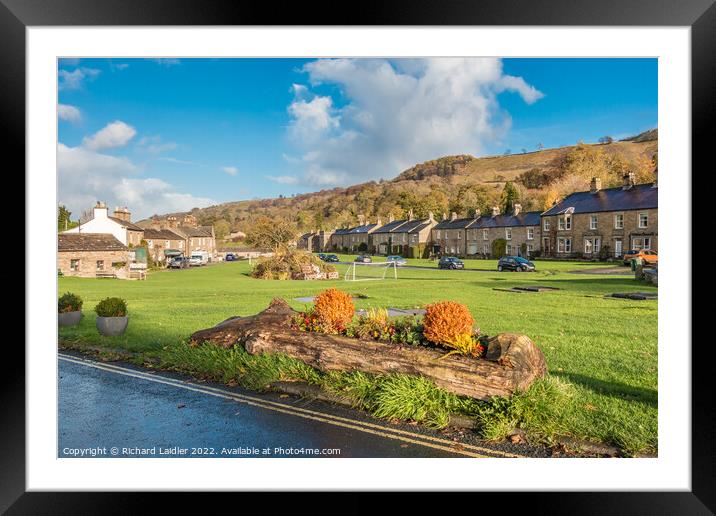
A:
[593,222]
[181,244]
[564,245]
[640,243]
[75,265]
[546,224]
[530,233]
[166,244]
[587,246]
[560,223]
[509,248]
[564,222]
[150,244]
[508,234]
[530,248]
[643,220]
[458,234]
[484,234]
[438,234]
[100,265]
[486,249]
[619,221]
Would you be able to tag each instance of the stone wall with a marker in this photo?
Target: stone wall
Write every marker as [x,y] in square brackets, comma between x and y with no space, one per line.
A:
[87,265]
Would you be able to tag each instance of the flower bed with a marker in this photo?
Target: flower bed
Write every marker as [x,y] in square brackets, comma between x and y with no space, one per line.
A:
[465,363]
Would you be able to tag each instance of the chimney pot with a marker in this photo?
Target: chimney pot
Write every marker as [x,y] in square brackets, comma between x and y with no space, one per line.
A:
[628,180]
[495,211]
[453,216]
[516,209]
[595,185]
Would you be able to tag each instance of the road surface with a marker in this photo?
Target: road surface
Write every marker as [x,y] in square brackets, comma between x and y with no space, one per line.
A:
[119,410]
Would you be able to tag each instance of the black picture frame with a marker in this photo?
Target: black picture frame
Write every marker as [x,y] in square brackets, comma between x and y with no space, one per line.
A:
[700,15]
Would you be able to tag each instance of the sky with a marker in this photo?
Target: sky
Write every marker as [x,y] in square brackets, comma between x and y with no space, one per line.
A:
[166,135]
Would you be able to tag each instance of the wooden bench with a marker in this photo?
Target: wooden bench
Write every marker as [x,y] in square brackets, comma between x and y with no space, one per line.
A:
[105,274]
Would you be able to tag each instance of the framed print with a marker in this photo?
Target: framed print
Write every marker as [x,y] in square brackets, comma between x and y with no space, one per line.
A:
[414,250]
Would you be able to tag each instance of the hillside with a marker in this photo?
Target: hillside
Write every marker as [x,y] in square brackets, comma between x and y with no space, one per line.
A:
[452,183]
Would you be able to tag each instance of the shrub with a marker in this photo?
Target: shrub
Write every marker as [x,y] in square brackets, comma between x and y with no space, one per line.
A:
[463,344]
[363,247]
[111,307]
[499,247]
[282,266]
[604,254]
[334,310]
[407,331]
[69,302]
[446,322]
[375,324]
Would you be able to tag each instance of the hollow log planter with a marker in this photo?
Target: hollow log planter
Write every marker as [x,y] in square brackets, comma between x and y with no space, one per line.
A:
[512,361]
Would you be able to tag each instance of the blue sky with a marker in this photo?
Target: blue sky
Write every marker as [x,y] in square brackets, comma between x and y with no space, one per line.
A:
[168,135]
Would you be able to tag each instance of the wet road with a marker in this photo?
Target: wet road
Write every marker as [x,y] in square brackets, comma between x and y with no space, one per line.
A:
[111,409]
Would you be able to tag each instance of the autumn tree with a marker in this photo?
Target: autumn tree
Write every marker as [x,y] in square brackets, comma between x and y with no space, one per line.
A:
[221,229]
[606,140]
[63,219]
[271,233]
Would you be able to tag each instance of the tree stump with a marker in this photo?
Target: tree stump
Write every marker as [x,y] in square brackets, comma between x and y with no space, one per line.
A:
[512,362]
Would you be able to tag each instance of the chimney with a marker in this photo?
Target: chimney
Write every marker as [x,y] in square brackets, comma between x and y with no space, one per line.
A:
[495,211]
[595,185]
[444,216]
[431,216]
[171,222]
[156,223]
[122,214]
[516,209]
[378,223]
[453,216]
[100,210]
[390,217]
[628,180]
[361,220]
[410,214]
[477,213]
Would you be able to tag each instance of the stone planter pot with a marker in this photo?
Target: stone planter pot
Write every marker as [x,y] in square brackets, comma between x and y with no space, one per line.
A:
[112,326]
[69,318]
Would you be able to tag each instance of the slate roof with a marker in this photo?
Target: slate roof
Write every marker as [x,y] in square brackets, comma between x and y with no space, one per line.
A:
[638,197]
[89,242]
[342,231]
[200,231]
[365,228]
[530,218]
[161,234]
[128,225]
[455,224]
[403,226]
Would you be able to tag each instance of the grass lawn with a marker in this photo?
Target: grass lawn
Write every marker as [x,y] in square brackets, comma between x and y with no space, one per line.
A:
[605,350]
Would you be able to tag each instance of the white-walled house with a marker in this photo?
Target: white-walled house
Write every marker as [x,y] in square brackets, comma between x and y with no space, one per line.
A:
[118,225]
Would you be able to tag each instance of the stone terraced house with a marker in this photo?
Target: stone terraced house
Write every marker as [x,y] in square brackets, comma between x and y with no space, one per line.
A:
[90,255]
[409,238]
[616,219]
[474,236]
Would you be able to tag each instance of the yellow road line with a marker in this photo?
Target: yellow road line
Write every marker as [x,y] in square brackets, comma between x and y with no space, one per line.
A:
[393,433]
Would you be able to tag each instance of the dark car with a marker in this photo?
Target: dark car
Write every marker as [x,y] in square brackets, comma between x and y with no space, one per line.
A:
[321,256]
[179,262]
[230,257]
[515,263]
[363,258]
[450,262]
[330,258]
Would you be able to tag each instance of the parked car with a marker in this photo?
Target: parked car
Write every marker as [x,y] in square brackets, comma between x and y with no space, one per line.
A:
[230,257]
[648,257]
[515,263]
[322,256]
[363,258]
[450,262]
[399,260]
[331,258]
[178,262]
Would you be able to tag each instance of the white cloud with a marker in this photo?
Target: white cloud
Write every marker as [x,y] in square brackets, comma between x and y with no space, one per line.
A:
[232,171]
[113,135]
[73,80]
[283,180]
[68,113]
[86,176]
[397,113]
[155,145]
